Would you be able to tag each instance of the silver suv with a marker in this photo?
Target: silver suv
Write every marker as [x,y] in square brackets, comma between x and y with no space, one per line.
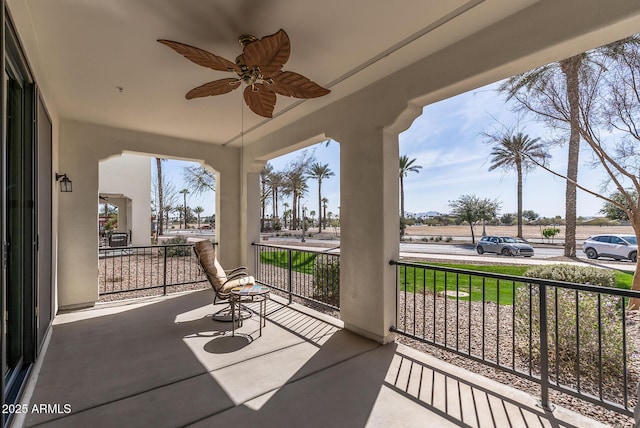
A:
[617,247]
[505,245]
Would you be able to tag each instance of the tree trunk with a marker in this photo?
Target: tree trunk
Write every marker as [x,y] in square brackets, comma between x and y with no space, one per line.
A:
[324,215]
[402,226]
[634,302]
[160,198]
[473,237]
[319,204]
[294,212]
[274,206]
[519,171]
[570,67]
[263,201]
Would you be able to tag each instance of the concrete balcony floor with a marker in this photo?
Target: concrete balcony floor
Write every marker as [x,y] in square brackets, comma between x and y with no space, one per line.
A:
[163,362]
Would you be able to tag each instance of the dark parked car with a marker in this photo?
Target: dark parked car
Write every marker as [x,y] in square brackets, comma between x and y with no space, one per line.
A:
[505,245]
[617,247]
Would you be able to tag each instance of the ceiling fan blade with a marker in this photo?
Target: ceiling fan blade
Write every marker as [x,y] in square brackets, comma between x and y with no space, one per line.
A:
[296,85]
[260,100]
[269,53]
[201,57]
[217,87]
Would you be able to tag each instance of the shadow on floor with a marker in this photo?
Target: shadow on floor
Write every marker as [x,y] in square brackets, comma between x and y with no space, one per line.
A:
[165,363]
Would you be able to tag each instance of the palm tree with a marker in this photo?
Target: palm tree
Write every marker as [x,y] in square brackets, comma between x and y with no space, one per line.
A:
[319,172]
[406,166]
[265,191]
[275,180]
[517,151]
[168,209]
[180,210]
[198,210]
[325,203]
[184,194]
[312,214]
[285,215]
[559,94]
[160,196]
[294,186]
[553,92]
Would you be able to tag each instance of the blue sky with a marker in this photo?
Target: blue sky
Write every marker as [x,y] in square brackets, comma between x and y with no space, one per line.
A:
[446,140]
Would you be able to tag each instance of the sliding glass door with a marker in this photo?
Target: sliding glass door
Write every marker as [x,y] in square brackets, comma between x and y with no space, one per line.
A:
[19,225]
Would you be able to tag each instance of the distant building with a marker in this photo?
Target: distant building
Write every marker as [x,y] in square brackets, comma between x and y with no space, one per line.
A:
[125,182]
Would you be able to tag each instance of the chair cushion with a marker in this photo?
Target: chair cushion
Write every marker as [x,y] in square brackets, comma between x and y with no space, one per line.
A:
[238,282]
[207,258]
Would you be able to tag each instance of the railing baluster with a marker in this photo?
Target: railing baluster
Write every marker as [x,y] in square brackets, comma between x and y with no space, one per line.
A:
[414,300]
[544,350]
[498,323]
[513,325]
[484,306]
[469,320]
[599,346]
[434,304]
[457,311]
[578,340]
[557,350]
[290,277]
[530,327]
[424,302]
[624,354]
[445,301]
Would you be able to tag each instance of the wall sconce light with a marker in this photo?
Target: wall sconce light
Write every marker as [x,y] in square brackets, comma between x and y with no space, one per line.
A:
[65,183]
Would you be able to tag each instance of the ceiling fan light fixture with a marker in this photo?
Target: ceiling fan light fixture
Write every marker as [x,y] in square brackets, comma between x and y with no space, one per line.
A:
[246,39]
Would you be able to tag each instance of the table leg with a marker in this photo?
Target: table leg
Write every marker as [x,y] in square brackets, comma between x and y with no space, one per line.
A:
[233,316]
[260,316]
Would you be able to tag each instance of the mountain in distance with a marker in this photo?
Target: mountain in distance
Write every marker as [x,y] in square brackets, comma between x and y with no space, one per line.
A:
[428,214]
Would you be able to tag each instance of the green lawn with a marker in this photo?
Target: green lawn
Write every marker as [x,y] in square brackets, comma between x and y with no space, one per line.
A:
[413,279]
[300,261]
[494,290]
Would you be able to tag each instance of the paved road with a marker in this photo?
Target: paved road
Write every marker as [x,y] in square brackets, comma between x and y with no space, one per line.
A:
[468,250]
[432,248]
[462,252]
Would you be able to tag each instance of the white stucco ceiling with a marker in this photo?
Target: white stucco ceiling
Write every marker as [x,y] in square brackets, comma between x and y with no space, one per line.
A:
[90,49]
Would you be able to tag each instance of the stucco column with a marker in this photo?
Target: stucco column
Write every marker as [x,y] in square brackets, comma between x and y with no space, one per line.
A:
[251,217]
[369,232]
[229,208]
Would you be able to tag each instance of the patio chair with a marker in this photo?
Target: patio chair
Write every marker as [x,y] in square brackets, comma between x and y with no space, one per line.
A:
[222,281]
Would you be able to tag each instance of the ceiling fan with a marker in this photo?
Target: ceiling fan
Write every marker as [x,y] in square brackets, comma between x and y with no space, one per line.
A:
[259,67]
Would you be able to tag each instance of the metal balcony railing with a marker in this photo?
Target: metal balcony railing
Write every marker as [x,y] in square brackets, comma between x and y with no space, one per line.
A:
[134,269]
[574,338]
[312,276]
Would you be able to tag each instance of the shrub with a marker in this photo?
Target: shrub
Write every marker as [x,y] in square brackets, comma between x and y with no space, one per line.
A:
[182,250]
[573,273]
[562,307]
[448,239]
[326,279]
[550,233]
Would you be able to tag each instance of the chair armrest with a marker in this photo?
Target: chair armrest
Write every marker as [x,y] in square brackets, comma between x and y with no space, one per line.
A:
[238,269]
[235,276]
